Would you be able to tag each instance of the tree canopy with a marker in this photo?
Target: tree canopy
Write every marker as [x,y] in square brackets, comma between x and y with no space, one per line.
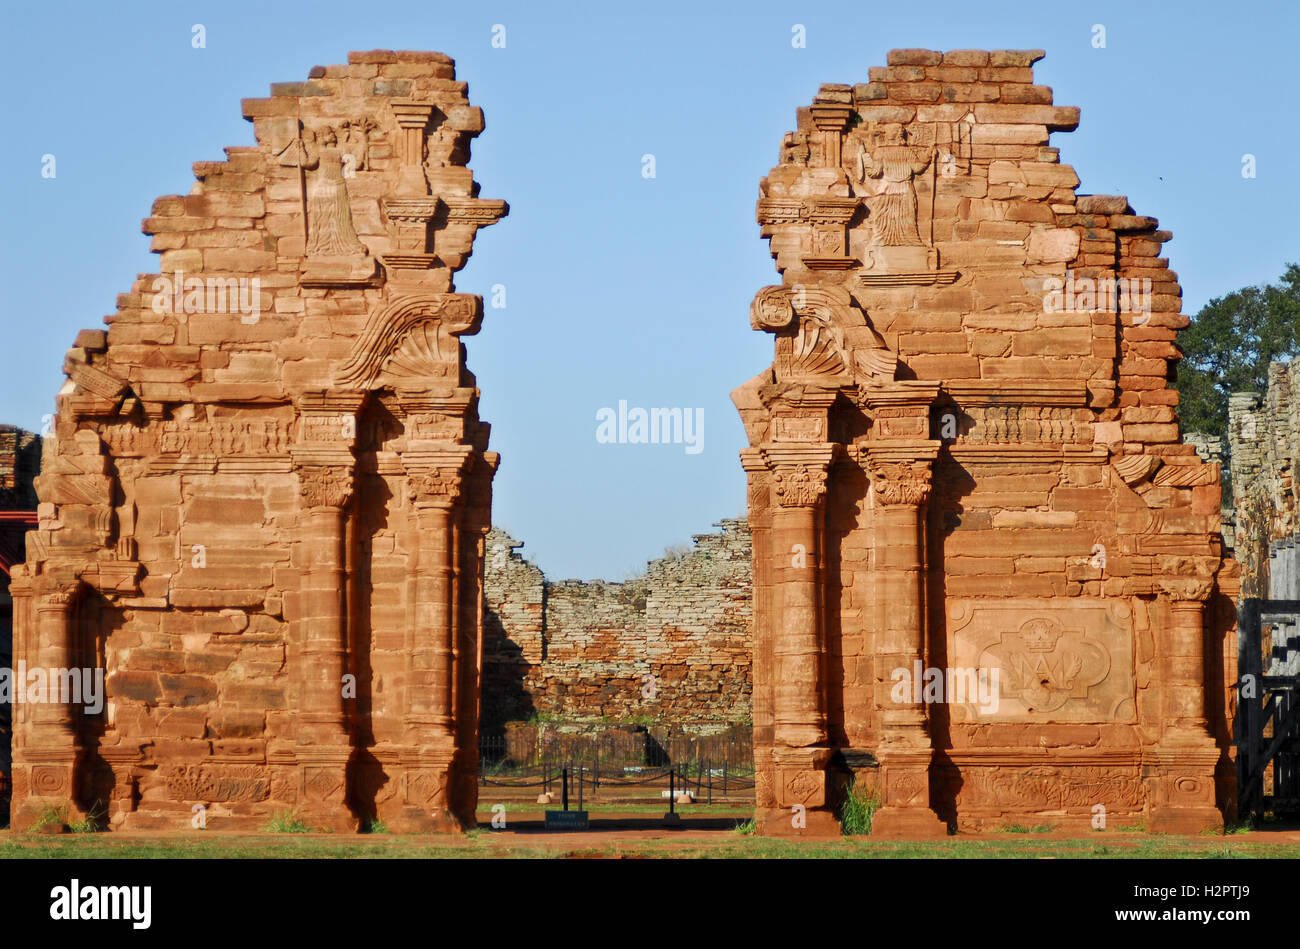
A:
[1228,346]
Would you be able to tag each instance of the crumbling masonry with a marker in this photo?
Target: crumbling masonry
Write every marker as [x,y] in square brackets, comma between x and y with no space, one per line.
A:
[265,496]
[966,456]
[671,645]
[1264,432]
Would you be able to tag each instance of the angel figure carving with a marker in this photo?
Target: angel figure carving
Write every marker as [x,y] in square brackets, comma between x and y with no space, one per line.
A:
[329,231]
[893,206]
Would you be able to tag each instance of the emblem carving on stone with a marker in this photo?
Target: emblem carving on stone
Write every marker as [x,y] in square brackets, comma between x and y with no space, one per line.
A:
[1060,662]
[799,487]
[1044,664]
[325,486]
[806,787]
[1050,787]
[904,788]
[322,784]
[424,788]
[901,482]
[50,781]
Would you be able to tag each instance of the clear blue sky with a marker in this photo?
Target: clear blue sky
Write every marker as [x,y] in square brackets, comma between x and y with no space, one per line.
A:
[618,287]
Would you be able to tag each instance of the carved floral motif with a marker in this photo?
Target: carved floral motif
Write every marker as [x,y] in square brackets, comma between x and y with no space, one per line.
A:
[901,482]
[325,486]
[799,487]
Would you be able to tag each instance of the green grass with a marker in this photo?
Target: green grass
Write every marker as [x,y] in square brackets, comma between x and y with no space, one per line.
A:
[746,828]
[49,815]
[856,810]
[720,844]
[1026,829]
[288,822]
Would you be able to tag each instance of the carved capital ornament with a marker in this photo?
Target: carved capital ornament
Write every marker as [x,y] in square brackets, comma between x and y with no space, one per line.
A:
[901,482]
[325,486]
[799,487]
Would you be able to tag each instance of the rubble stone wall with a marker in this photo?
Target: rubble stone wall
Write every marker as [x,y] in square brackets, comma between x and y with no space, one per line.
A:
[671,645]
[1264,431]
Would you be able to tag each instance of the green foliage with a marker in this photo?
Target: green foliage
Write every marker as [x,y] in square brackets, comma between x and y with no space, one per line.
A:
[746,828]
[49,814]
[376,826]
[92,822]
[288,822]
[1228,346]
[856,810]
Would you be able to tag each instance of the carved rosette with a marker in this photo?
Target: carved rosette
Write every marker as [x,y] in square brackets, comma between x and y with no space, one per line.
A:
[325,486]
[772,309]
[901,482]
[798,487]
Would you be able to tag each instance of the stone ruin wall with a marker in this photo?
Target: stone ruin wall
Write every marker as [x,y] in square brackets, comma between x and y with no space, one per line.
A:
[582,650]
[268,476]
[918,222]
[1264,432]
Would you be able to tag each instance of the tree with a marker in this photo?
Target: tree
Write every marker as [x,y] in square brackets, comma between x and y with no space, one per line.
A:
[1228,346]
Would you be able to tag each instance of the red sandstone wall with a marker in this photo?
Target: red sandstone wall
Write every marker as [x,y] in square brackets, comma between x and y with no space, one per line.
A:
[273,480]
[959,453]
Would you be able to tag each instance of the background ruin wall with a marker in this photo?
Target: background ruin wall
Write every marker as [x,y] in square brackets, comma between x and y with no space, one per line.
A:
[1264,432]
[672,645]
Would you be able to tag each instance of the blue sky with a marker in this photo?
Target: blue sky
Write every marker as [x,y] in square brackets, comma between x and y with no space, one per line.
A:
[618,287]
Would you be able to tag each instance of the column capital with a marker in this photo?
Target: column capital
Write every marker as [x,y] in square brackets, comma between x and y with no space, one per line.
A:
[54,592]
[438,486]
[799,486]
[900,482]
[1187,589]
[325,485]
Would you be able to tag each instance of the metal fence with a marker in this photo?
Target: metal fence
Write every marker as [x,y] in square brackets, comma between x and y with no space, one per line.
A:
[616,750]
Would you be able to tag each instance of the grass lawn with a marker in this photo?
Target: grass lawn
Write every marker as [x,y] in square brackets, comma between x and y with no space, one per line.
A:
[485,843]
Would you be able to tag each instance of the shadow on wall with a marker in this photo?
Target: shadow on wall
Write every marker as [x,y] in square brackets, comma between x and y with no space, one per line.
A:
[505,674]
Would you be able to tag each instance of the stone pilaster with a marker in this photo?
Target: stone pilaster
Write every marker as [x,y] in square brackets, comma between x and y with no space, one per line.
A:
[45,765]
[900,490]
[800,749]
[324,741]
[1186,756]
[760,525]
[434,487]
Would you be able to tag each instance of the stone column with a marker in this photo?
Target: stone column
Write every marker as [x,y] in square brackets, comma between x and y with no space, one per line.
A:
[901,489]
[1187,754]
[430,718]
[45,769]
[800,751]
[831,120]
[324,740]
[759,497]
[412,119]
